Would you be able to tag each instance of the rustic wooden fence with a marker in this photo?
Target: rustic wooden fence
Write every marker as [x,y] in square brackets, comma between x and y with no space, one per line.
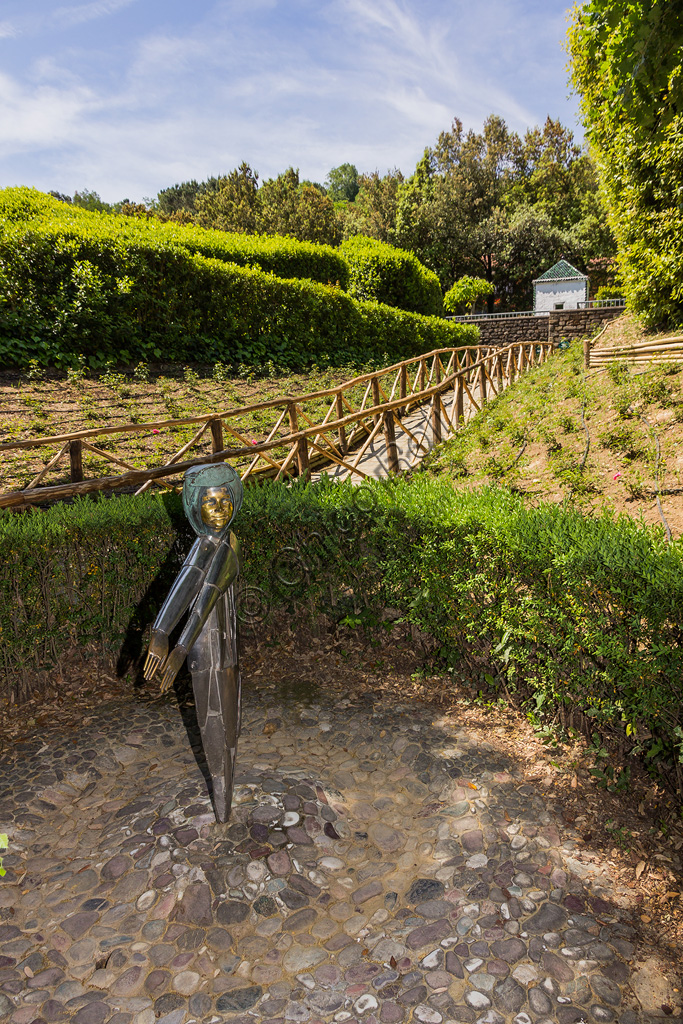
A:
[451,380]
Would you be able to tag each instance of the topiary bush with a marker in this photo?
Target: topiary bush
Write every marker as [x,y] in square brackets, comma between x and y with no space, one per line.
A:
[284,257]
[88,286]
[393,276]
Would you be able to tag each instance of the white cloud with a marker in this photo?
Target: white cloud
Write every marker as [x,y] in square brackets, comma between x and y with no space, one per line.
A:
[46,116]
[76,15]
[273,82]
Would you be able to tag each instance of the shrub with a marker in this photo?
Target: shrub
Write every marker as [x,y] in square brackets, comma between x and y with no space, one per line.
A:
[573,612]
[284,257]
[88,286]
[393,276]
[465,293]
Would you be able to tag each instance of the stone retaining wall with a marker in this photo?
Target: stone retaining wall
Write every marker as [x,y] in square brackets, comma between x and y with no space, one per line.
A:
[561,324]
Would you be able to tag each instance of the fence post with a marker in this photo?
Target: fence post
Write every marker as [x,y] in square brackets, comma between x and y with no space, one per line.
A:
[301,443]
[436,404]
[587,353]
[76,460]
[375,398]
[459,404]
[390,438]
[482,383]
[403,386]
[499,371]
[423,375]
[343,446]
[217,444]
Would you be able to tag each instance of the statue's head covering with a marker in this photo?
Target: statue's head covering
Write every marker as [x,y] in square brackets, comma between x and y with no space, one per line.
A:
[196,482]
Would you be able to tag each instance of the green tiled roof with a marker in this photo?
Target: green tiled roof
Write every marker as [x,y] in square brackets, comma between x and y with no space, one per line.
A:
[562,271]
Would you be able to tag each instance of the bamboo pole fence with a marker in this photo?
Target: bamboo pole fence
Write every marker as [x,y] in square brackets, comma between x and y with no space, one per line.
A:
[665,350]
[296,442]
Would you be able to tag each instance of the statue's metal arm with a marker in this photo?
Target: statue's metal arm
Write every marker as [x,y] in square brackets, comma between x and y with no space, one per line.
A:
[181,595]
[222,572]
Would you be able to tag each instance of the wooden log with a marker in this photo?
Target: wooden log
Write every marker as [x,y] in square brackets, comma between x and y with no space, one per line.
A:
[436,418]
[459,416]
[482,384]
[423,374]
[343,445]
[76,461]
[403,386]
[217,444]
[301,442]
[587,353]
[376,398]
[499,372]
[390,440]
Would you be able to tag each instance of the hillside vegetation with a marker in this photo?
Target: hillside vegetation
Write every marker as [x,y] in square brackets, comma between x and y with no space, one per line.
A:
[604,439]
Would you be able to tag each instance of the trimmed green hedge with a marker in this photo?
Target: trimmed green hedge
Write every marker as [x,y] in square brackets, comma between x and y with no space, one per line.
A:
[89,288]
[394,276]
[575,612]
[284,257]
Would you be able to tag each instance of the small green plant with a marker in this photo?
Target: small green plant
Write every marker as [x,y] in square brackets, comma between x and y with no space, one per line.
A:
[113,380]
[78,370]
[191,377]
[623,837]
[37,406]
[141,373]
[654,391]
[567,424]
[618,371]
[221,373]
[35,373]
[622,440]
[636,487]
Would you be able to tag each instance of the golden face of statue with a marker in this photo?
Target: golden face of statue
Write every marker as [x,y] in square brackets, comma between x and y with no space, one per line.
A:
[216,508]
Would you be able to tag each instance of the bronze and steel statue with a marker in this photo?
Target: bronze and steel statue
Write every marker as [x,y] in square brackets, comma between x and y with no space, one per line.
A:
[212,496]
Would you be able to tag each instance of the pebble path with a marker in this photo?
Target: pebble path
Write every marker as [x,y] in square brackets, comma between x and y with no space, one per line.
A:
[378,867]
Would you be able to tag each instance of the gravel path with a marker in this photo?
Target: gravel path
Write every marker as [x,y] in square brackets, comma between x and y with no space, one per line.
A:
[378,866]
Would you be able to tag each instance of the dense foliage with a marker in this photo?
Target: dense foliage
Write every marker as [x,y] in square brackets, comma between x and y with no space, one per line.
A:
[465,293]
[119,289]
[281,206]
[627,64]
[284,257]
[394,276]
[572,612]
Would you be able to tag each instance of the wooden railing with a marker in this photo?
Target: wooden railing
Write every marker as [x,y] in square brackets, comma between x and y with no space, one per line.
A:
[296,443]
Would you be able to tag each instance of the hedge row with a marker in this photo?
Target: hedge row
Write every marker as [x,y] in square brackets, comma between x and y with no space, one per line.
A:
[284,257]
[85,288]
[394,276]
[574,612]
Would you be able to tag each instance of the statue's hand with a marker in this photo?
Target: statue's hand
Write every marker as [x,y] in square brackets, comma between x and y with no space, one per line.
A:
[156,654]
[172,667]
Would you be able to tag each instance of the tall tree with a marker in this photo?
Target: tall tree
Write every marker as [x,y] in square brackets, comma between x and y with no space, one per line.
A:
[232,207]
[286,207]
[342,183]
[373,211]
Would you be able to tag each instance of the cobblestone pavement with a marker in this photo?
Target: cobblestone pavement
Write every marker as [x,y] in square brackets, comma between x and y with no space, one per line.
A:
[378,867]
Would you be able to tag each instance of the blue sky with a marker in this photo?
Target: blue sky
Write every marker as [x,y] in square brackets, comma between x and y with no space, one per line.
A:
[126,97]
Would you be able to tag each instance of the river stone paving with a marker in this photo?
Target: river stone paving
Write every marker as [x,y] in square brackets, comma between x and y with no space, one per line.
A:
[378,867]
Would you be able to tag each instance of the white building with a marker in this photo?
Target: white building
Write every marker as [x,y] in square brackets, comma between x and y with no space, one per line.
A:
[561,287]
